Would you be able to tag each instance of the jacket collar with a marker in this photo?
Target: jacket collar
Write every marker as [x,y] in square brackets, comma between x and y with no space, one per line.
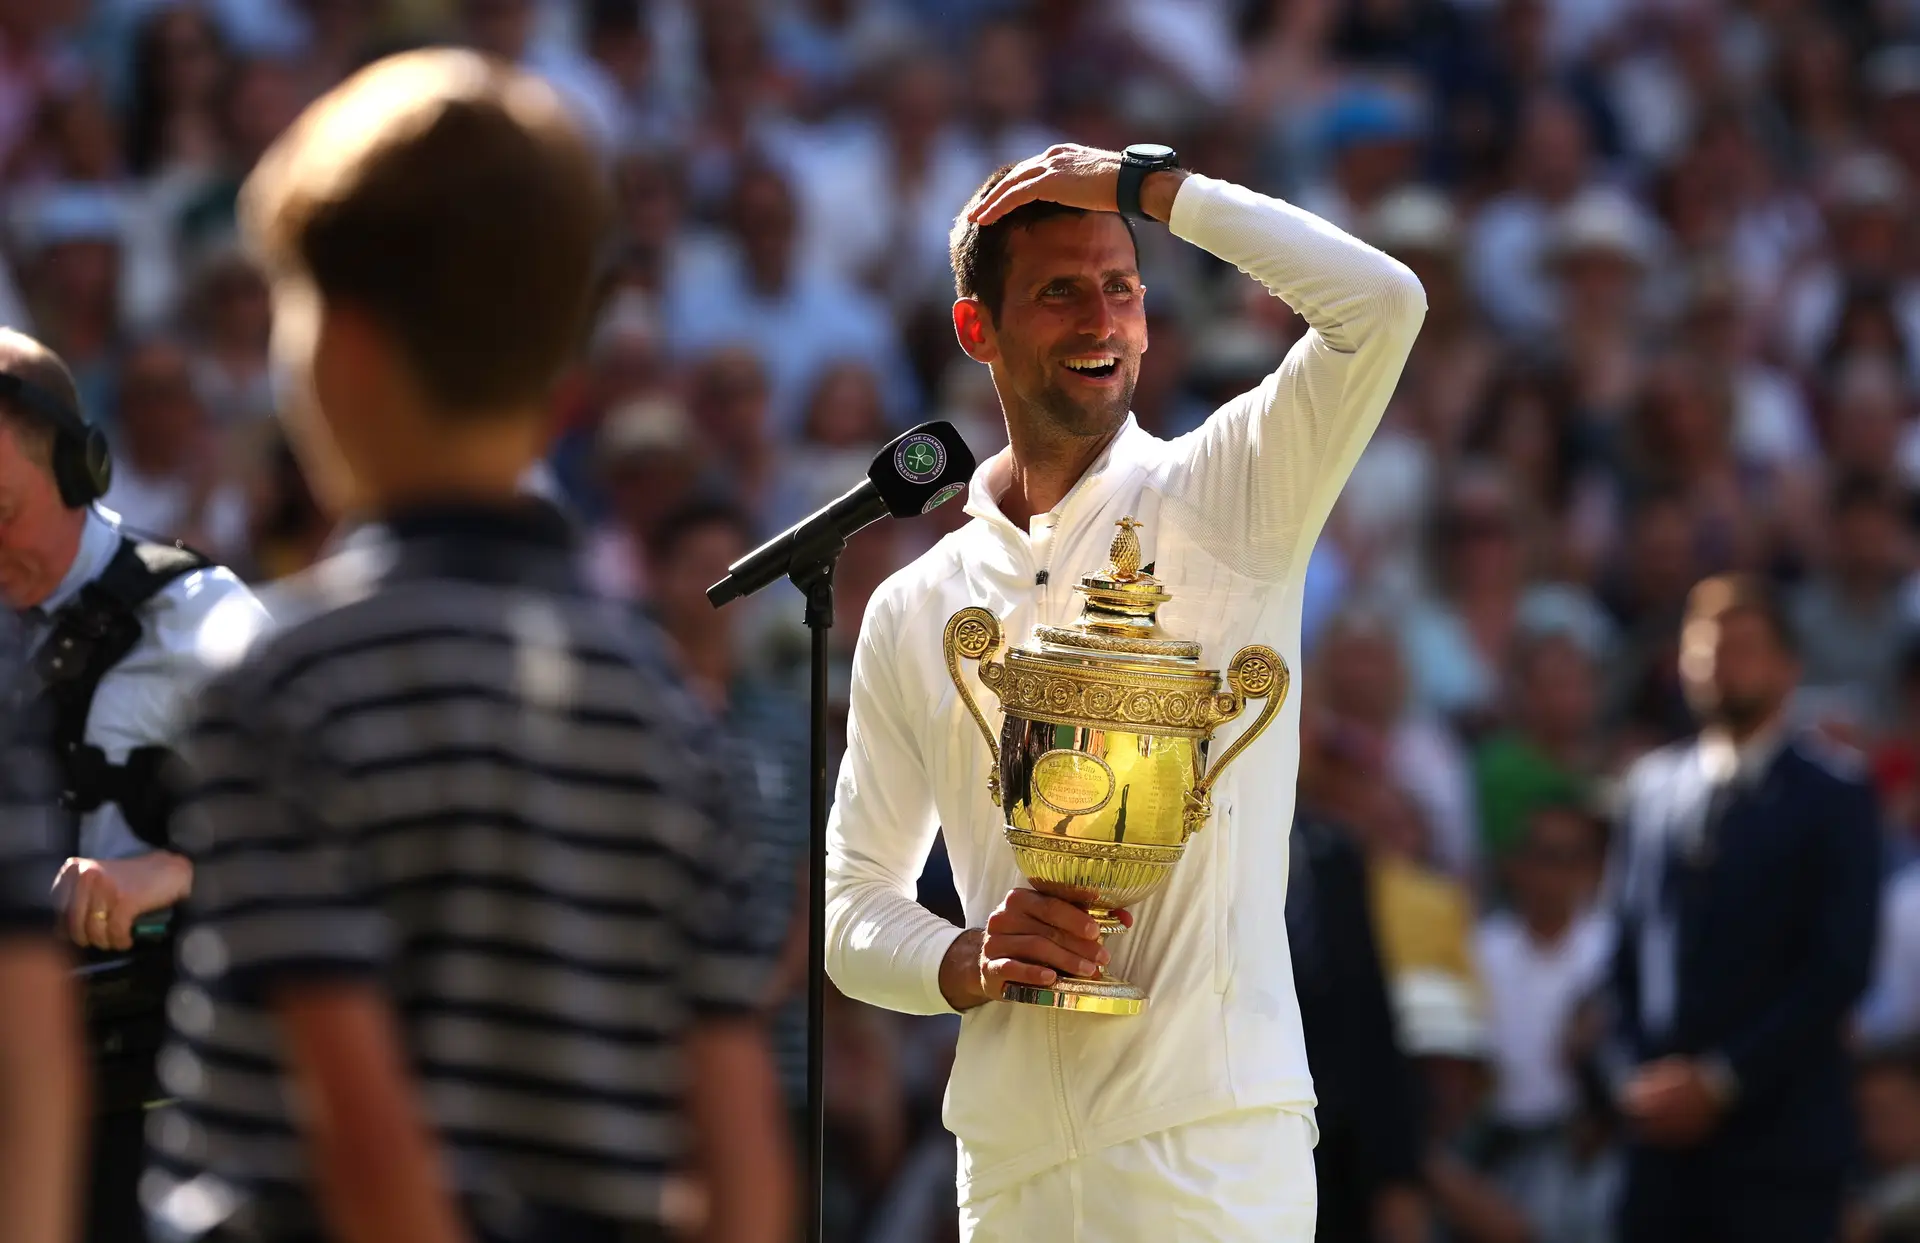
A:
[1744,764]
[993,476]
[99,541]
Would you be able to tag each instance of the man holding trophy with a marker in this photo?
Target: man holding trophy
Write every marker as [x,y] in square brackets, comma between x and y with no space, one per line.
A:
[1154,1085]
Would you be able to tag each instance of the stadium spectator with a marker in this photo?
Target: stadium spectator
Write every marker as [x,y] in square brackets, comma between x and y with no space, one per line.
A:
[1886,1206]
[757,286]
[1551,755]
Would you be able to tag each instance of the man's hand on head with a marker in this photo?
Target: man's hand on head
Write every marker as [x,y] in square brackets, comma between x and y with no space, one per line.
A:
[1032,939]
[1076,176]
[100,898]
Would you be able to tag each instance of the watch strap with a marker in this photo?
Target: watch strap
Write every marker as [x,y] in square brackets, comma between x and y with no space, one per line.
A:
[1126,191]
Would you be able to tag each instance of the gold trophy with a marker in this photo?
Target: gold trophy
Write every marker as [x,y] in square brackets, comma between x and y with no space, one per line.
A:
[1101,766]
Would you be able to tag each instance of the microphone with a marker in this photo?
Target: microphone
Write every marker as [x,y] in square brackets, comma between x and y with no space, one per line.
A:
[917,472]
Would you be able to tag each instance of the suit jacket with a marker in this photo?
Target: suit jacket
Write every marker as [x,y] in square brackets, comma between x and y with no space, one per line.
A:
[1364,1087]
[1760,913]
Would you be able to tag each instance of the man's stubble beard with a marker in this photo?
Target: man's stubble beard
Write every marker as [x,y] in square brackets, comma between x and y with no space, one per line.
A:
[1059,415]
[1745,715]
[1741,714]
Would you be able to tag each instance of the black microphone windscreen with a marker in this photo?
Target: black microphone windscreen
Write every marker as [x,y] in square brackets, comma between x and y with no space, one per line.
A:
[922,468]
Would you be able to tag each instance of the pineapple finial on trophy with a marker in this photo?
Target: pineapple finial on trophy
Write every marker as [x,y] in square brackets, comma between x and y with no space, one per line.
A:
[1124,553]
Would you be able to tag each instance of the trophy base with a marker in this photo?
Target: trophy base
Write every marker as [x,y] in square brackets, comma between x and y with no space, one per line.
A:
[1088,996]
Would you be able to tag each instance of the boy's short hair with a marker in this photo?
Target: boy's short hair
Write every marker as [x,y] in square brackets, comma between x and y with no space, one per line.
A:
[450,197]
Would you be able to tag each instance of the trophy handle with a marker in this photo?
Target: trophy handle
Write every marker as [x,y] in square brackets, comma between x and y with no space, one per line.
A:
[971,634]
[1257,672]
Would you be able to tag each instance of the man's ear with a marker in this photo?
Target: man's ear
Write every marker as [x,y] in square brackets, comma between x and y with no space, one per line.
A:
[347,358]
[974,327]
[357,361]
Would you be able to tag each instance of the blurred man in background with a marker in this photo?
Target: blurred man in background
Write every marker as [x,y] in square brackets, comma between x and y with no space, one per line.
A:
[1749,880]
[123,634]
[471,942]
[42,1084]
[690,551]
[1368,1160]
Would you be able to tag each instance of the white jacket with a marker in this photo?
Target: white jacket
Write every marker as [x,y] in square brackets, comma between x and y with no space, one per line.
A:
[1230,515]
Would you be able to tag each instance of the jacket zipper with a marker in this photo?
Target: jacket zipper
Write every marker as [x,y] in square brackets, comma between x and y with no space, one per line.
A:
[1040,548]
[1043,576]
[1041,580]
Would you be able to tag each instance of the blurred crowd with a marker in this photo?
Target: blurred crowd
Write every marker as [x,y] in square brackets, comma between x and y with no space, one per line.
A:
[1673,264]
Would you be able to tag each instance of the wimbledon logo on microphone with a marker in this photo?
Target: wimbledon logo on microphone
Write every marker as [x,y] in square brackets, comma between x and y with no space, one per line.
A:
[943,496]
[920,458]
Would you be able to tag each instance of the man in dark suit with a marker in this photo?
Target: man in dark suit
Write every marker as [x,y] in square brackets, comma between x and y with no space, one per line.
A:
[1368,1160]
[1748,902]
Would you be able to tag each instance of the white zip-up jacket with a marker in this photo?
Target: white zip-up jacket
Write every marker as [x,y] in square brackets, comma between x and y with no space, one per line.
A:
[1230,514]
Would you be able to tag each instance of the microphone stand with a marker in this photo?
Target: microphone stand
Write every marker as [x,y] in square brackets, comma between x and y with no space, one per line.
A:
[808,553]
[816,581]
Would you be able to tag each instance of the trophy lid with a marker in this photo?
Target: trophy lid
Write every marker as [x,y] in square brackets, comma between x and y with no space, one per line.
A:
[1118,615]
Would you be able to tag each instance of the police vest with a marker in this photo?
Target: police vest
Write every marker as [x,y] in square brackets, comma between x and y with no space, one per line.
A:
[89,636]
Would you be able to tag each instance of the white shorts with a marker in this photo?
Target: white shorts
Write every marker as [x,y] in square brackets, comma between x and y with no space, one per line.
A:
[1243,1178]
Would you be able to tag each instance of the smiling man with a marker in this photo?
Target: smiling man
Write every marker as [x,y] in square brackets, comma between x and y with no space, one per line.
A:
[1193,1119]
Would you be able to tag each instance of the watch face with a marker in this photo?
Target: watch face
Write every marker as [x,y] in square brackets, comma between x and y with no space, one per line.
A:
[1149,153]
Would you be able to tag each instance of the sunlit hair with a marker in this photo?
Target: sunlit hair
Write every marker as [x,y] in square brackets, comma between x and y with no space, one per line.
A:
[1717,598]
[451,198]
[979,255]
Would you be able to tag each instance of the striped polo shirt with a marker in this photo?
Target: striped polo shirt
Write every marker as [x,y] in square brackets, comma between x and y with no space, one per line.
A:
[455,773]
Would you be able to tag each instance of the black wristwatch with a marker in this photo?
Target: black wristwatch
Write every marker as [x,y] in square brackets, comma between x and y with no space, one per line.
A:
[1135,163]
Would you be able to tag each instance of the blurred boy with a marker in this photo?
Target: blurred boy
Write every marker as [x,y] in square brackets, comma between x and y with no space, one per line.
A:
[469,939]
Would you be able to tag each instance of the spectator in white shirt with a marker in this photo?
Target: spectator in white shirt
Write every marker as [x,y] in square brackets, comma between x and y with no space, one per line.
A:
[1770,419]
[1004,85]
[168,455]
[1538,961]
[877,199]
[1365,682]
[505,28]
[1868,199]
[756,287]
[620,46]
[1511,235]
[231,323]
[1891,1010]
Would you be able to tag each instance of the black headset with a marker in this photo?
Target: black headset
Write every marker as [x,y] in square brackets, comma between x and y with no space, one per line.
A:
[82,462]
